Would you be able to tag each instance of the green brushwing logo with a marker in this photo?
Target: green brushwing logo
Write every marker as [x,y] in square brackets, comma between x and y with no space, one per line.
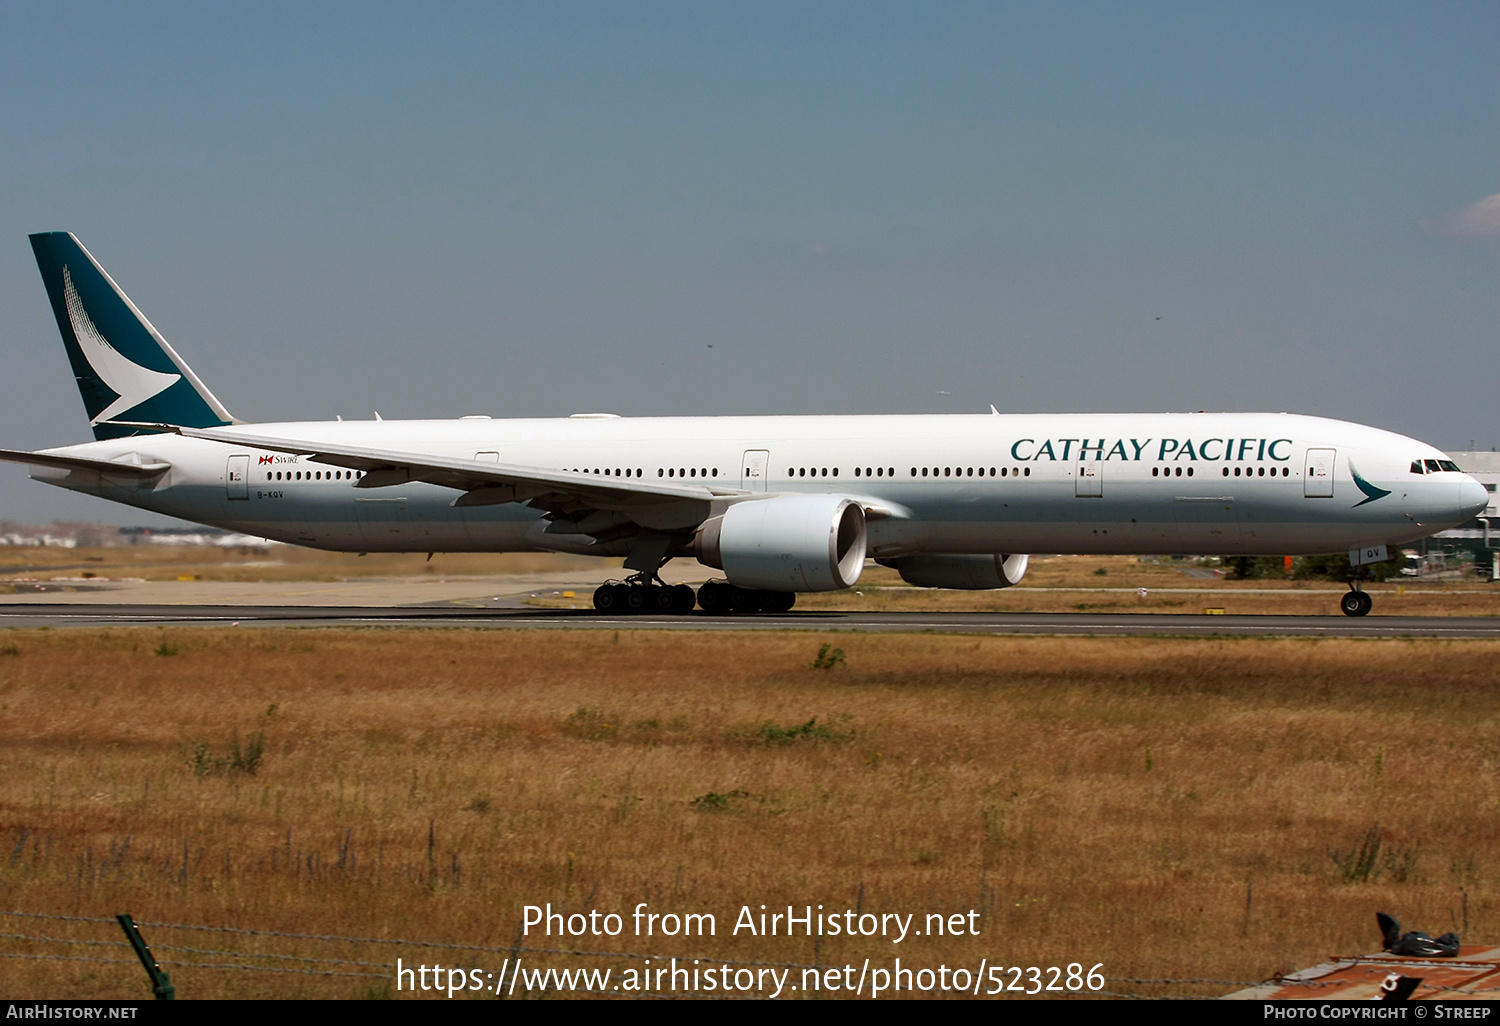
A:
[1371,492]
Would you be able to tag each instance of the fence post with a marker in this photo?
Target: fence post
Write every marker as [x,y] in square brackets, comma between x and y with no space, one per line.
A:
[161,983]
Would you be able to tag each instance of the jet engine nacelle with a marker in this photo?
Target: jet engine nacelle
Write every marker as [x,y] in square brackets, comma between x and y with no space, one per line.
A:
[788,543]
[969,573]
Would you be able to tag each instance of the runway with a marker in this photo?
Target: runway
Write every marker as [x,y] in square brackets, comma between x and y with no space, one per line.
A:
[40,614]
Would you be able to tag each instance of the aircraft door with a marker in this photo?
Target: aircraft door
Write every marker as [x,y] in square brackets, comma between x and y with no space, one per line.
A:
[237,477]
[754,464]
[1090,481]
[1318,484]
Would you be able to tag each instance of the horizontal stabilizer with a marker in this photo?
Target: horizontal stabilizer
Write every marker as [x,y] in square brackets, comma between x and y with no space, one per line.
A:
[65,462]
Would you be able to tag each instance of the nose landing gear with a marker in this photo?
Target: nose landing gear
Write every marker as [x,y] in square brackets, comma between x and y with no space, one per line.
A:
[1355,602]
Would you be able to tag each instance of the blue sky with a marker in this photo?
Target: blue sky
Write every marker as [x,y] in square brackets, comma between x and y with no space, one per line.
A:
[537,209]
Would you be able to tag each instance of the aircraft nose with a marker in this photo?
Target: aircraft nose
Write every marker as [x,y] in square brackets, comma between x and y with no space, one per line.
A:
[1472,498]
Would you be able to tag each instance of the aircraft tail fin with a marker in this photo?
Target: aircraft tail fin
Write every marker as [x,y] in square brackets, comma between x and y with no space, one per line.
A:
[125,370]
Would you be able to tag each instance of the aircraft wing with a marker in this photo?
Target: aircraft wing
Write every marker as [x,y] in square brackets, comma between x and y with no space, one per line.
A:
[482,483]
[66,462]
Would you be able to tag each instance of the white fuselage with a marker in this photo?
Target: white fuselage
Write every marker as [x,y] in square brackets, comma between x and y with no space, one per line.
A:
[1269,484]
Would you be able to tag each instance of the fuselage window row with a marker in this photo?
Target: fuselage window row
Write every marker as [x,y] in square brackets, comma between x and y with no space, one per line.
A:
[968,471]
[1259,472]
[316,475]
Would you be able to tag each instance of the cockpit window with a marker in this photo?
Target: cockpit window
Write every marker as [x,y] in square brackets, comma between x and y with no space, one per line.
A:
[1416,467]
[1432,466]
[1448,465]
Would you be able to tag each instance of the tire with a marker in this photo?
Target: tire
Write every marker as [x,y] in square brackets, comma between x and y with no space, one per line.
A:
[1366,603]
[638,599]
[683,599]
[605,600]
[714,597]
[745,600]
[777,601]
[1354,603]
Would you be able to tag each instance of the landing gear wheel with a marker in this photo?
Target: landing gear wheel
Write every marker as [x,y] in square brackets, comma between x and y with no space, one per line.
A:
[777,601]
[744,600]
[606,600]
[1355,603]
[683,599]
[638,599]
[714,597]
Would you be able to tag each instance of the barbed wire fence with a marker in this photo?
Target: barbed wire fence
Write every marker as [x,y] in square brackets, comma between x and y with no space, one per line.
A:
[238,959]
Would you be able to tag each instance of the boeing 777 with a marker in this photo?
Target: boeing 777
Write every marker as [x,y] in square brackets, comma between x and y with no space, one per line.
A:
[779,504]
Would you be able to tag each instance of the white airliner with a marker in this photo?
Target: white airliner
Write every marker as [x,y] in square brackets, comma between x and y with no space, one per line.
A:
[779,504]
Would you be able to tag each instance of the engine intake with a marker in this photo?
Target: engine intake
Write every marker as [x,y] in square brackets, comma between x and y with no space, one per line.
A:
[788,543]
[967,573]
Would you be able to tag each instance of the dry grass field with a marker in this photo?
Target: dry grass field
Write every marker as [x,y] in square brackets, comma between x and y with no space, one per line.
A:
[280,563]
[1172,809]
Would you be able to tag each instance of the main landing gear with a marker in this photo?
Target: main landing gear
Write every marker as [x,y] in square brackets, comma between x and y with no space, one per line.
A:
[723,597]
[1355,602]
[641,594]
